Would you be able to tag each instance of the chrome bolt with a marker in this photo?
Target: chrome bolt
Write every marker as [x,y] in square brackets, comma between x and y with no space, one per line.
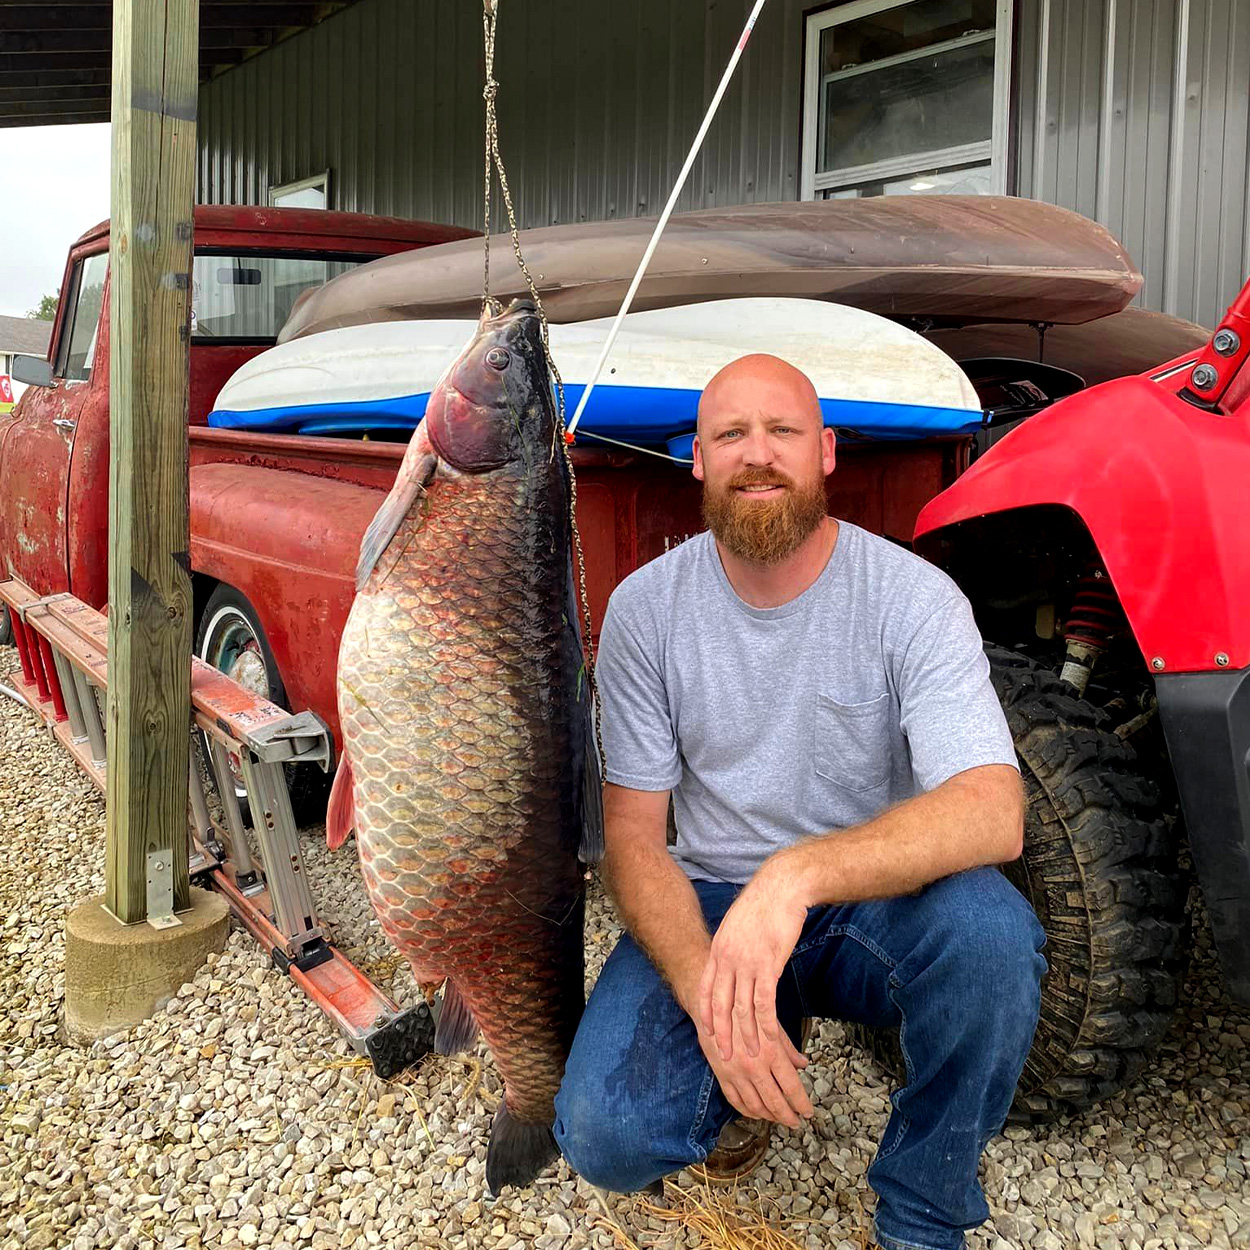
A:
[1204,377]
[1226,342]
[1221,659]
[1157,663]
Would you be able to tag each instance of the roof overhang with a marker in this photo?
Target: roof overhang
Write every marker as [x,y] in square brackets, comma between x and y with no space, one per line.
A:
[56,55]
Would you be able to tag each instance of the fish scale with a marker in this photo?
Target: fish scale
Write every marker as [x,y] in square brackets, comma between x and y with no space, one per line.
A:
[464,723]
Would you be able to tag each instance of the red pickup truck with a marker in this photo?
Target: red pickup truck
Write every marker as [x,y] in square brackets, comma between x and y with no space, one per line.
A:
[267,530]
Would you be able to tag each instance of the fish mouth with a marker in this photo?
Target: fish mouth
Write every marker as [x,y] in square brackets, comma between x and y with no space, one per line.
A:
[518,309]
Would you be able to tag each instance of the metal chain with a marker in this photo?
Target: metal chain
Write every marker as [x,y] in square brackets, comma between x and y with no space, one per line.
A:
[490,16]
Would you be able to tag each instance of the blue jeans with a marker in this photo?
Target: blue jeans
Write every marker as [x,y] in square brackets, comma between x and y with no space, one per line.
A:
[957,967]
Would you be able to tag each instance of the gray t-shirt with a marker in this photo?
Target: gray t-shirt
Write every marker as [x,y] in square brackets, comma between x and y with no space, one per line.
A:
[771,724]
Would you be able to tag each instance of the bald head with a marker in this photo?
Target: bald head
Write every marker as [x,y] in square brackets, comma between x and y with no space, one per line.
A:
[759,384]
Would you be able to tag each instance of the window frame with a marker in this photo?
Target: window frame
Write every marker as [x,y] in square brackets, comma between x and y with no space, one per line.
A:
[261,253]
[995,149]
[70,321]
[320,181]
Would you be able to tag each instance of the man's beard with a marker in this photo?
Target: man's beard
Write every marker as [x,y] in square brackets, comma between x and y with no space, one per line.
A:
[764,531]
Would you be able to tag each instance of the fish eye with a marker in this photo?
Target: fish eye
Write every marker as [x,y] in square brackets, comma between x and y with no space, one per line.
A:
[498,358]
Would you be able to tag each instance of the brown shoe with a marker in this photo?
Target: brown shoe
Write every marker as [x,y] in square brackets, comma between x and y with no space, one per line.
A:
[742,1143]
[739,1148]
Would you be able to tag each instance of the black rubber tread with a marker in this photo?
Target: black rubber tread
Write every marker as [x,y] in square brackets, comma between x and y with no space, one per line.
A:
[307,785]
[6,626]
[1101,868]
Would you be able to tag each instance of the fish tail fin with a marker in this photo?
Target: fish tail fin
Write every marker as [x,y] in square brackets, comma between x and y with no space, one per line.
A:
[518,1150]
[341,812]
[456,1029]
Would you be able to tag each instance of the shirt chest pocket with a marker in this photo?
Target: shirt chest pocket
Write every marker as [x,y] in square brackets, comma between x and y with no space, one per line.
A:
[852,745]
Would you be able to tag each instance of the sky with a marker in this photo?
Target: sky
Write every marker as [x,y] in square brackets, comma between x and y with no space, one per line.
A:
[54,184]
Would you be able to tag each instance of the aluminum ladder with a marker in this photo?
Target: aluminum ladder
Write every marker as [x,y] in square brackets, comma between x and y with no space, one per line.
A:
[62,646]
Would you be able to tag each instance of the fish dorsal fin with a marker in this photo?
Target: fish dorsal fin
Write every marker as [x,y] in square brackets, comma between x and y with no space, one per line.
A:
[390,516]
[457,1029]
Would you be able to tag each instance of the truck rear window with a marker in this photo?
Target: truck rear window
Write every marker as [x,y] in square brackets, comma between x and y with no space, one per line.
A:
[245,297]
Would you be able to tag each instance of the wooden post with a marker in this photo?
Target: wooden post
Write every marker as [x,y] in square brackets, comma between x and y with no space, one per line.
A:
[155,83]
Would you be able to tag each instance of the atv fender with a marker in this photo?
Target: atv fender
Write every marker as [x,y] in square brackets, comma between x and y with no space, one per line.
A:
[1159,485]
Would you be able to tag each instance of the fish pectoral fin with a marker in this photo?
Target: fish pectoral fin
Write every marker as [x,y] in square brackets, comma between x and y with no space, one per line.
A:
[456,1029]
[390,516]
[590,851]
[341,810]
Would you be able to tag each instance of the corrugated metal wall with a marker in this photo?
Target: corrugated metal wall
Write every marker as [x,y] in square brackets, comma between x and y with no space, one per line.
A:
[598,102]
[1134,112]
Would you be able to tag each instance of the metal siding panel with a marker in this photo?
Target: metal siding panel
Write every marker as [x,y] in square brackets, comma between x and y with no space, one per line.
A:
[1112,118]
[1148,142]
[256,165]
[1210,221]
[1079,105]
[1045,180]
[326,93]
[599,103]
[600,100]
[1183,172]
[466,150]
[1243,63]
[1025,102]
[1230,119]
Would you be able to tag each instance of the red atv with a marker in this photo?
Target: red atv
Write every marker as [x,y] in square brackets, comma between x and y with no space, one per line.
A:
[1105,546]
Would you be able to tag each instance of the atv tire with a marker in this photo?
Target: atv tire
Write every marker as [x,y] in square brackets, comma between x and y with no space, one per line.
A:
[1100,868]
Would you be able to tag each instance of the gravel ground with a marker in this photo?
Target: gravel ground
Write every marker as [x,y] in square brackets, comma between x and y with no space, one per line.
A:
[234,1119]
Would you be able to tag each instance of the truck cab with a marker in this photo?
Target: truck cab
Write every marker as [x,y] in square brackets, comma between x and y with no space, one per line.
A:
[250,264]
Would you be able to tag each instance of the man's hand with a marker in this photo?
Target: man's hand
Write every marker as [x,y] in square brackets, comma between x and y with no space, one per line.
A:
[738,992]
[766,1087]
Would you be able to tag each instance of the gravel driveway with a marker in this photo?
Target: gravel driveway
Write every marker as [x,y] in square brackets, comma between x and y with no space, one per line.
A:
[237,1118]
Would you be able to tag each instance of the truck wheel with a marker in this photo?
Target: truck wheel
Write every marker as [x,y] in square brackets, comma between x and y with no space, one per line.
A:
[231,638]
[1100,868]
[6,626]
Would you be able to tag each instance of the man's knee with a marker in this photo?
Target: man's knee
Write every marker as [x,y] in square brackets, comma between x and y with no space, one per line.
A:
[987,945]
[598,1142]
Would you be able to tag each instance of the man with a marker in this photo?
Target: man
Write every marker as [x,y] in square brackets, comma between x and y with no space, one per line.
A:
[817,703]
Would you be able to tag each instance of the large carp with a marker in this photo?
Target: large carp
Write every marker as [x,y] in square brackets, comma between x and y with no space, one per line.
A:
[469,769]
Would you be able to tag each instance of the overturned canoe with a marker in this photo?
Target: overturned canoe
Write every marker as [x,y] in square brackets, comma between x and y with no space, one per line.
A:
[941,260]
[872,375]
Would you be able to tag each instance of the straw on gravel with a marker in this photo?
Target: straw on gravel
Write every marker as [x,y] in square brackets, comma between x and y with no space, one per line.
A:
[237,1117]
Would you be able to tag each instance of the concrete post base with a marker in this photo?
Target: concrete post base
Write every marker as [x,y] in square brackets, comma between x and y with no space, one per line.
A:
[117,975]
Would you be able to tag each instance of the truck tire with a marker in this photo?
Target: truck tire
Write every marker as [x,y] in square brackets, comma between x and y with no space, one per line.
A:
[6,626]
[231,638]
[1100,868]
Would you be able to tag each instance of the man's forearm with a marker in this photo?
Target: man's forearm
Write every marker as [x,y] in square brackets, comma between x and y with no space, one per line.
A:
[660,909]
[967,822]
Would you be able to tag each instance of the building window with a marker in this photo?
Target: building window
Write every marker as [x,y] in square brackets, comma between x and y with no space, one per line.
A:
[311,192]
[907,97]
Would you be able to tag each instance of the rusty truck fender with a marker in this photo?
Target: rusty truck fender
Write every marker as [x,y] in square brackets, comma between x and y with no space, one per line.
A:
[288,542]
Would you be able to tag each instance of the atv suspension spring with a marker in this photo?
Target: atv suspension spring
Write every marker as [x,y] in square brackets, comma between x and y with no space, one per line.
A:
[1096,617]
